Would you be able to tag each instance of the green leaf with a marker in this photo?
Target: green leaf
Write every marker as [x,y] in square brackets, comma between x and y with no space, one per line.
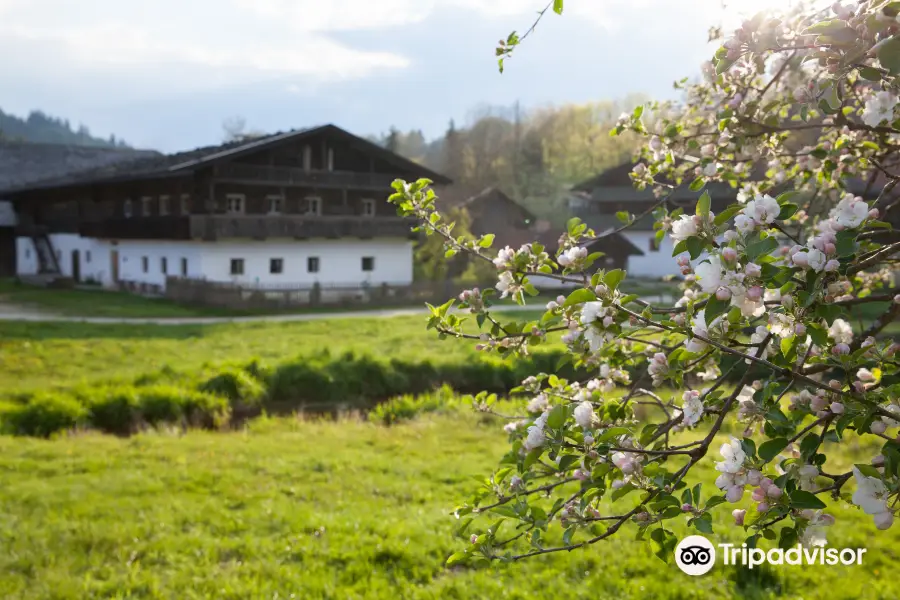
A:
[663,543]
[703,205]
[715,307]
[889,55]
[868,470]
[557,417]
[695,247]
[787,211]
[558,6]
[770,449]
[870,73]
[623,216]
[804,499]
[486,240]
[698,184]
[580,296]
[531,458]
[680,248]
[726,214]
[788,538]
[703,523]
[457,558]
[614,278]
[762,247]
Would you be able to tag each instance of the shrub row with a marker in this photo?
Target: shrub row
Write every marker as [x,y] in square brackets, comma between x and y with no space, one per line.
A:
[318,382]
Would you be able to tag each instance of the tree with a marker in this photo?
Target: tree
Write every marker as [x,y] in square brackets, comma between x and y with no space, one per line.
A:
[797,112]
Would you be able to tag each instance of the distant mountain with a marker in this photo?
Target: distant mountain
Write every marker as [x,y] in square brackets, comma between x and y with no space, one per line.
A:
[38,127]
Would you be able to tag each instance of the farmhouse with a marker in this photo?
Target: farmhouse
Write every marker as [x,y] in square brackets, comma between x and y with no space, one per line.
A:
[493,211]
[597,200]
[297,208]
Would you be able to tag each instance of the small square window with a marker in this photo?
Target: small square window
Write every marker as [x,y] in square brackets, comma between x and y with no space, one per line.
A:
[368,207]
[312,264]
[234,203]
[237,266]
[314,206]
[185,204]
[276,266]
[128,209]
[307,158]
[163,205]
[275,204]
[368,263]
[145,264]
[164,265]
[146,206]
[184,267]
[331,159]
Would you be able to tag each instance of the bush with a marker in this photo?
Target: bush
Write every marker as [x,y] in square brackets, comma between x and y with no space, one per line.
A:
[169,404]
[408,406]
[44,414]
[239,386]
[115,410]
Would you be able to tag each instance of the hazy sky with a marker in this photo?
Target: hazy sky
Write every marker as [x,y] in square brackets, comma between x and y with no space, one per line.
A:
[165,73]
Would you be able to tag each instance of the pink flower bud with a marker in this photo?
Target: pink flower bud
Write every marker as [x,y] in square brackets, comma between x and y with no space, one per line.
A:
[762,507]
[687,508]
[818,403]
[618,484]
[873,214]
[841,349]
[878,427]
[897,299]
[801,259]
[735,493]
[607,321]
[752,270]
[739,514]
[601,290]
[723,293]
[479,347]
[755,293]
[883,520]
[580,475]
[829,249]
[774,492]
[560,300]
[831,266]
[758,494]
[800,329]
[754,477]
[837,408]
[878,460]
[765,483]
[729,254]
[552,305]
[473,538]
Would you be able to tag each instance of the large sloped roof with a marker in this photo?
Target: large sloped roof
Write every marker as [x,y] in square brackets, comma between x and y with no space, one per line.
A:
[23,163]
[181,163]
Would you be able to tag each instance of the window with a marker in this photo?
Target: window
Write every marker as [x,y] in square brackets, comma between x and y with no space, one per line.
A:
[368,263]
[276,266]
[237,266]
[164,265]
[28,253]
[312,264]
[368,207]
[275,204]
[87,256]
[184,267]
[128,209]
[145,264]
[314,206]
[234,203]
[146,206]
[163,205]
[654,244]
[307,158]
[331,159]
[185,204]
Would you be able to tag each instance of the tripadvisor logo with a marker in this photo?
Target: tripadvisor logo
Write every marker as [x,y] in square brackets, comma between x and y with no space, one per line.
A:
[696,555]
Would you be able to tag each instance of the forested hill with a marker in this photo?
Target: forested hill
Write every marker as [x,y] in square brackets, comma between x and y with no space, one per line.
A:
[38,127]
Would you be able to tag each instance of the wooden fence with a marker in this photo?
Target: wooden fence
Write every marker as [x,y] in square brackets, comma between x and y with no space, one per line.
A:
[263,297]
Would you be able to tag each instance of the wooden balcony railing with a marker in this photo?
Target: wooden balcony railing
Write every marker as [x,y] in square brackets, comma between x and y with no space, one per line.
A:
[239,173]
[259,227]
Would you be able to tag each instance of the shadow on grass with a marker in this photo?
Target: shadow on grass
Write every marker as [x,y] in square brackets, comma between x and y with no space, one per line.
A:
[59,330]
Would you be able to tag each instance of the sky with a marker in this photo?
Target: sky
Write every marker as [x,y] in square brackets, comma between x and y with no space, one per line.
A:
[166,74]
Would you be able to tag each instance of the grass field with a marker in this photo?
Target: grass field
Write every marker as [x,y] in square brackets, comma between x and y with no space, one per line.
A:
[337,510]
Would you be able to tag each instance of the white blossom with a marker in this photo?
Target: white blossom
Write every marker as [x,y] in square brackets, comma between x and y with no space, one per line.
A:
[684,228]
[879,107]
[871,493]
[691,408]
[733,455]
[538,404]
[584,414]
[841,332]
[851,211]
[710,274]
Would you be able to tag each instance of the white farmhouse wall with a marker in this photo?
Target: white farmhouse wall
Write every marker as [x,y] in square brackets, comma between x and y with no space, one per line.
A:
[340,261]
[654,263]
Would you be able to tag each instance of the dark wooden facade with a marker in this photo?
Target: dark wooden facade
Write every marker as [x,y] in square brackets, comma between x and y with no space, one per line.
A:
[323,182]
